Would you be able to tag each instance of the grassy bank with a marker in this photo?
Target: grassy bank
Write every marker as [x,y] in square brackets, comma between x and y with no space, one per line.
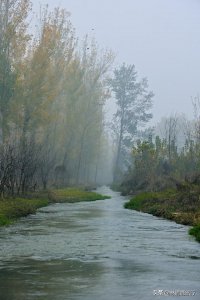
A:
[181,206]
[72,195]
[12,209]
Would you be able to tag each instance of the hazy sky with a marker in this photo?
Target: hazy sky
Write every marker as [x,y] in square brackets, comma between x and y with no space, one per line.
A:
[161,37]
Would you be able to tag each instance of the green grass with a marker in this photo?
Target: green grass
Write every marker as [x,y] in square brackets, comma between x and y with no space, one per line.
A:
[12,209]
[4,220]
[74,195]
[149,200]
[181,207]
[195,231]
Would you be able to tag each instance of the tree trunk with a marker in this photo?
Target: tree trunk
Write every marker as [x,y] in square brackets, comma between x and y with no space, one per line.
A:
[117,163]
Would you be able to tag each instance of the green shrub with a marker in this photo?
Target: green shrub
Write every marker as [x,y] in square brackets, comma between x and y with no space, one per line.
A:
[195,231]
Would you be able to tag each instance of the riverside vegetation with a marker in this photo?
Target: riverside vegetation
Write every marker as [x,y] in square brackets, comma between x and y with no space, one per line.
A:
[13,208]
[182,207]
[166,182]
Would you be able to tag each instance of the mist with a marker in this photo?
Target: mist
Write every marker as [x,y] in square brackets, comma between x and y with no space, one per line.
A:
[99,130]
[67,108]
[160,37]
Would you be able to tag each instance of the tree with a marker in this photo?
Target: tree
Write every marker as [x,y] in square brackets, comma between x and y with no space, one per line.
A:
[13,40]
[83,98]
[134,102]
[52,95]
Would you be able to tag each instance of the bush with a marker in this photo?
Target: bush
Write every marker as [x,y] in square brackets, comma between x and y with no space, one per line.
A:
[195,231]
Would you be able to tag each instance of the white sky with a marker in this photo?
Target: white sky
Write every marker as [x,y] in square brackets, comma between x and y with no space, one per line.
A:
[161,37]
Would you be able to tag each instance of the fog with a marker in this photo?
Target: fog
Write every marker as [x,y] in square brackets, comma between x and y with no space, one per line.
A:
[135,60]
[99,95]
[162,39]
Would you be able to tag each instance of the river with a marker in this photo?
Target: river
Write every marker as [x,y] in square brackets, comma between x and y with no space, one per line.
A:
[96,251]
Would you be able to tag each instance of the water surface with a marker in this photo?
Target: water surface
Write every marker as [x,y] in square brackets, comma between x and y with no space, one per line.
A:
[96,250]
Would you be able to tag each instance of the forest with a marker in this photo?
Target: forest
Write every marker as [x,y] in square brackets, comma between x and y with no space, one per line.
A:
[52,94]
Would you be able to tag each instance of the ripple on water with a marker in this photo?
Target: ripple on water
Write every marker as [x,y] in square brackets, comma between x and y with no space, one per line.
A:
[95,250]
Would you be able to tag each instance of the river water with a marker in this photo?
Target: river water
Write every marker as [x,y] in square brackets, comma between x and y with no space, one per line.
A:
[96,251]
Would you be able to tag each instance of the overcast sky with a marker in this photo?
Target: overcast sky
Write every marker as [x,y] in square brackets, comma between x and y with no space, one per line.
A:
[160,37]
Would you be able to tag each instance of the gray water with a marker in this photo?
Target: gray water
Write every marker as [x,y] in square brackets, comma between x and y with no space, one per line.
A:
[96,250]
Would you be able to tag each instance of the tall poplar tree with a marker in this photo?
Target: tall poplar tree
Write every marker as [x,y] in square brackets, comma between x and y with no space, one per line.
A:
[134,102]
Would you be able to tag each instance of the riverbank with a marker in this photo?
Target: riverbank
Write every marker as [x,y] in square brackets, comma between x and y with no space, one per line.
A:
[14,208]
[181,206]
